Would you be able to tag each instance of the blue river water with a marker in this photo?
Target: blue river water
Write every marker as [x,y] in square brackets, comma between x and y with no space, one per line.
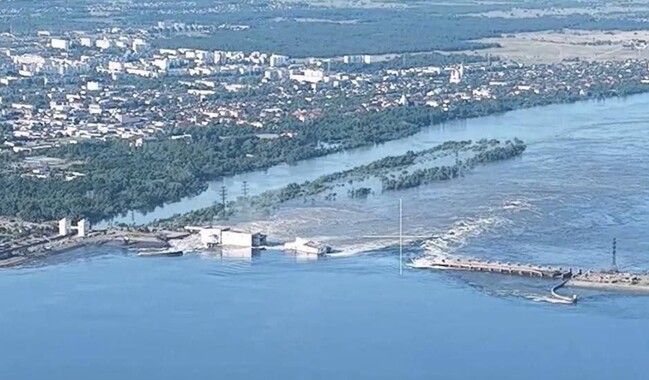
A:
[103,313]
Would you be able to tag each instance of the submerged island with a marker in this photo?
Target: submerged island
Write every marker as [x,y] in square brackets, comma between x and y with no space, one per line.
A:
[443,162]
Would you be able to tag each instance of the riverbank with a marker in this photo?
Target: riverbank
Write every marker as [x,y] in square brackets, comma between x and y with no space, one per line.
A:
[19,255]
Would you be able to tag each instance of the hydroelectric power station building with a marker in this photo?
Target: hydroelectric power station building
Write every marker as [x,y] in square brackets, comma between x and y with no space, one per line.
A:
[213,237]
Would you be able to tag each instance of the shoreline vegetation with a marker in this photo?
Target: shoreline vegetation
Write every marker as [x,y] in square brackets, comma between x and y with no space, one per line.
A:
[392,173]
[121,178]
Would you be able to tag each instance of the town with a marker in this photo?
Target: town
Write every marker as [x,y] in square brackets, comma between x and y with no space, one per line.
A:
[111,84]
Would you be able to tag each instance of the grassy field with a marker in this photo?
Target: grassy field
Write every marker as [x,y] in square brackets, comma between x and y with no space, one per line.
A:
[555,46]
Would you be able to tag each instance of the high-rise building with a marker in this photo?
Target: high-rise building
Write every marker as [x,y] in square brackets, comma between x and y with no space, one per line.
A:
[104,43]
[92,86]
[350,59]
[220,57]
[85,41]
[457,74]
[59,43]
[139,45]
[278,60]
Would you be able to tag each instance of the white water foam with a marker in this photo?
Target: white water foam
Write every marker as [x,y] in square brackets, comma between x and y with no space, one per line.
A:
[548,299]
[350,230]
[447,243]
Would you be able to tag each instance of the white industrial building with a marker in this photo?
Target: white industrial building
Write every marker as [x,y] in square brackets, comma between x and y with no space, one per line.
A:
[220,57]
[103,44]
[138,45]
[457,74]
[242,239]
[85,41]
[211,237]
[309,76]
[66,227]
[59,43]
[307,246]
[278,60]
[349,59]
[95,109]
[162,64]
[115,67]
[92,86]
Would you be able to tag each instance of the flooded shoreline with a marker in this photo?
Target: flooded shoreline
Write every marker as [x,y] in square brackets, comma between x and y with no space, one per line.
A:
[533,125]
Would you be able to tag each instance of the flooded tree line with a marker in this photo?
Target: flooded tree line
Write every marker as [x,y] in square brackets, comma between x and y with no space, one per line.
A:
[390,173]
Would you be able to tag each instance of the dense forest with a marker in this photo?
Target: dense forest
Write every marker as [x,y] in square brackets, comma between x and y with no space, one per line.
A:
[372,31]
[120,177]
[322,28]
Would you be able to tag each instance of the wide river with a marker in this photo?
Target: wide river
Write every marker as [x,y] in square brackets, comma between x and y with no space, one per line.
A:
[584,179]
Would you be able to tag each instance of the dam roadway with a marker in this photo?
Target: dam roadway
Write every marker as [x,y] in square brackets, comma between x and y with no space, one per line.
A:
[611,280]
[433,262]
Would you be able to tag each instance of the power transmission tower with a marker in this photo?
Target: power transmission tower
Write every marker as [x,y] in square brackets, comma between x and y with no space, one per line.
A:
[245,189]
[224,195]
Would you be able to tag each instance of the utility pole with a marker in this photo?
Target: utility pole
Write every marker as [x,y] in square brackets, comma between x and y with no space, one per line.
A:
[400,236]
[614,262]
